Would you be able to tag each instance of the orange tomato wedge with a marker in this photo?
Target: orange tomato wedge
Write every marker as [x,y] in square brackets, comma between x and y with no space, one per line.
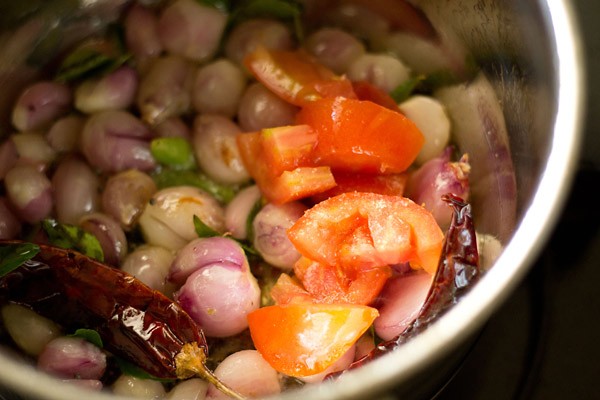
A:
[304,339]
[361,136]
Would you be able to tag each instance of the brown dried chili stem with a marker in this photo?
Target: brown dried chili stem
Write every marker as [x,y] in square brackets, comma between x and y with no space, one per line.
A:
[191,362]
[135,322]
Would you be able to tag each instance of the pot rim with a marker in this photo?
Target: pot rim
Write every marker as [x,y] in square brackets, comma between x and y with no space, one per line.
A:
[490,292]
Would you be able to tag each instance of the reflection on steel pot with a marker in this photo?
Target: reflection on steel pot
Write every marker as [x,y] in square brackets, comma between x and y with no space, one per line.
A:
[517,118]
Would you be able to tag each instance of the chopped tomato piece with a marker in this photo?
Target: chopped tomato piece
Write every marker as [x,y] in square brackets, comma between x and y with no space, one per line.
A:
[363,230]
[338,284]
[367,91]
[390,184]
[304,339]
[280,187]
[295,76]
[361,136]
[298,183]
[288,147]
[288,290]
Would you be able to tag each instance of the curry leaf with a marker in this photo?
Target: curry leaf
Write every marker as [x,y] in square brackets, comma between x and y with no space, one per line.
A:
[251,215]
[90,335]
[73,237]
[403,91]
[12,256]
[203,230]
[94,58]
[133,370]
[168,177]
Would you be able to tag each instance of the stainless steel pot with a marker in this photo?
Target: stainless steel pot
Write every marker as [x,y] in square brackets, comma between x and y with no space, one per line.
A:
[531,60]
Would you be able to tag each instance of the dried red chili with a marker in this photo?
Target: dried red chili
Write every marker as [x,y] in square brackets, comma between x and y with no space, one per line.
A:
[135,322]
[457,271]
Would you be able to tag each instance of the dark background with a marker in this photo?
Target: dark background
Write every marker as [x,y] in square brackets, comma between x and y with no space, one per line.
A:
[544,343]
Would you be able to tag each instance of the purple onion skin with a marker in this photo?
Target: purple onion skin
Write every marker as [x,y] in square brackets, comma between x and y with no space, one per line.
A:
[218,88]
[72,358]
[113,141]
[246,36]
[173,127]
[238,211]
[115,91]
[401,300]
[435,178]
[215,147]
[219,289]
[219,297]
[259,108]
[191,30]
[40,104]
[125,196]
[334,48]
[202,252]
[76,187]
[168,219]
[8,157]
[150,264]
[109,234]
[30,192]
[166,89]
[270,233]
[10,226]
[340,365]
[141,33]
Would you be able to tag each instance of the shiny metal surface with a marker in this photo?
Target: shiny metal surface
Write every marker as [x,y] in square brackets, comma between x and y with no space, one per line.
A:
[531,55]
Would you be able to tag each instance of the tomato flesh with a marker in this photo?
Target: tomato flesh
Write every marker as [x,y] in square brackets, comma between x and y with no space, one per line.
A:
[361,136]
[304,339]
[339,284]
[277,184]
[366,230]
[390,184]
[288,147]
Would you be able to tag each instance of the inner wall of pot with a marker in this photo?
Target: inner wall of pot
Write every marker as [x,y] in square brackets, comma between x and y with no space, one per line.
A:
[510,40]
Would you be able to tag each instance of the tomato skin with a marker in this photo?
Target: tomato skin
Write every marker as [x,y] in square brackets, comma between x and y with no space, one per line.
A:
[295,76]
[361,136]
[367,230]
[303,339]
